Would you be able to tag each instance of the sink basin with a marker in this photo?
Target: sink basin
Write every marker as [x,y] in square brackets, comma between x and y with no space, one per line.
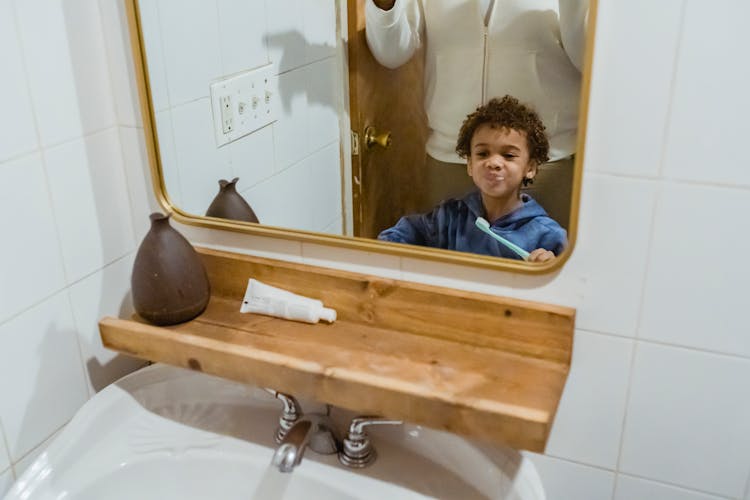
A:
[168,433]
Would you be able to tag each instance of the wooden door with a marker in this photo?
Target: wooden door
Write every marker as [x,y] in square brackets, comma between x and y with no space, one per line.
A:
[387,182]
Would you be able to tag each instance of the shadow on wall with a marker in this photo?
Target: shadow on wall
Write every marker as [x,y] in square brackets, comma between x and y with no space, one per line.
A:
[291,42]
[109,228]
[102,374]
[52,384]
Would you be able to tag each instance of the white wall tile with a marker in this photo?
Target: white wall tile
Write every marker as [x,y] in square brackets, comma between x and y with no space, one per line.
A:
[28,459]
[324,184]
[252,158]
[351,260]
[687,422]
[138,174]
[271,199]
[588,424]
[319,21]
[290,130]
[190,36]
[612,251]
[90,198]
[6,481]
[565,287]
[585,280]
[67,65]
[285,38]
[694,292]
[104,293]
[17,130]
[708,127]
[120,62]
[242,25]
[336,227]
[154,58]
[201,164]
[31,266]
[630,88]
[322,89]
[456,276]
[272,248]
[632,488]
[565,480]
[42,382]
[4,455]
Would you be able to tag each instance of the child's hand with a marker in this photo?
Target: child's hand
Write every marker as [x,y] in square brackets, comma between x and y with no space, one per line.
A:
[540,255]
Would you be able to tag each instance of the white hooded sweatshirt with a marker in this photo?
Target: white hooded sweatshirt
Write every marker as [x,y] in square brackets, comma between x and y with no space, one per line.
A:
[519,52]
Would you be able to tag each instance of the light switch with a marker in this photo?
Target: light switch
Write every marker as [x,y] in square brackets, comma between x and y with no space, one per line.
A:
[243,103]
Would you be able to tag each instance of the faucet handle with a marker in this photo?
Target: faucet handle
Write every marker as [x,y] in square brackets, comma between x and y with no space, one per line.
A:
[357,448]
[289,415]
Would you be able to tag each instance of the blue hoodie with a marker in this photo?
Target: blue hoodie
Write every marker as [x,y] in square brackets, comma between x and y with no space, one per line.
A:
[451,226]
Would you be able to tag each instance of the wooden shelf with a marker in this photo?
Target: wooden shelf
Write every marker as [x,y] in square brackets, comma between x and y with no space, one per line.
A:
[479,365]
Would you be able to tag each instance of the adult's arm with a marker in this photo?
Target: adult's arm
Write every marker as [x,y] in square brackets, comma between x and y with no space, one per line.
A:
[574,15]
[393,35]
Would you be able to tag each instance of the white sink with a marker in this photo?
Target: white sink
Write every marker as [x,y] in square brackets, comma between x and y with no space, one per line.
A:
[167,433]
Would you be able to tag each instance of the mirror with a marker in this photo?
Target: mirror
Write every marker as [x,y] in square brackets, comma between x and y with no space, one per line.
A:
[276,111]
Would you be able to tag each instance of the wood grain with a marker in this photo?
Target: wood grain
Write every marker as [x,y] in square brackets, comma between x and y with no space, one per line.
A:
[438,357]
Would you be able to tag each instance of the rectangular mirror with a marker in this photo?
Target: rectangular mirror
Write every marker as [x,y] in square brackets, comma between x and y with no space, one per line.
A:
[315,121]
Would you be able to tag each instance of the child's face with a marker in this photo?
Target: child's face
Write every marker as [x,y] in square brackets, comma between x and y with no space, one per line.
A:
[499,161]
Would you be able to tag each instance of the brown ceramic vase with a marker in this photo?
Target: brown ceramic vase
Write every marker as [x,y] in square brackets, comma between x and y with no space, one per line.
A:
[169,283]
[229,204]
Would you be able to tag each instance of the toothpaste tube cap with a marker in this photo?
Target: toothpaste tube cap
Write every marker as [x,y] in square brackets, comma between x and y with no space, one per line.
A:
[327,314]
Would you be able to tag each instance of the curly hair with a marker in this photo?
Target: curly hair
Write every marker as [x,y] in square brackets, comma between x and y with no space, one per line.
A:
[508,113]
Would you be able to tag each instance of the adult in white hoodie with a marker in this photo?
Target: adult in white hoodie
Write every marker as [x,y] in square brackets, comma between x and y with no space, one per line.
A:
[480,49]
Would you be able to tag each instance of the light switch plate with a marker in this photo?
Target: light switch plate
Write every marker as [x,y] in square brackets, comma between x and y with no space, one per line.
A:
[243,103]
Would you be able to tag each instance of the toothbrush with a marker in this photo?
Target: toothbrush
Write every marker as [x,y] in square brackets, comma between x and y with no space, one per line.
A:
[482,224]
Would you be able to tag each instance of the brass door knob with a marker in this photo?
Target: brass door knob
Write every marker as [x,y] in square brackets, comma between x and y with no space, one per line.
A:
[372,137]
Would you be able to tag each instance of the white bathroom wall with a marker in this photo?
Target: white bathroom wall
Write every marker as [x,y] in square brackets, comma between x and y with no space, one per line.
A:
[66,228]
[657,404]
[290,171]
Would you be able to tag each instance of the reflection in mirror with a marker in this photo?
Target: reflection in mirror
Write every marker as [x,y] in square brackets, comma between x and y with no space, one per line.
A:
[254,90]
[288,167]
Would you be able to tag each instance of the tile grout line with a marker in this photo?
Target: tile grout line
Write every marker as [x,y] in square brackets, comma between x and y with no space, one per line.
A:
[78,330]
[683,182]
[117,109]
[4,440]
[43,160]
[698,350]
[35,448]
[40,149]
[676,485]
[159,145]
[649,253]
[636,336]
[672,85]
[62,289]
[637,476]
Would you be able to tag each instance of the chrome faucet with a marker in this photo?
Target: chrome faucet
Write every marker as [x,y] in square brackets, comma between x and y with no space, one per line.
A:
[290,414]
[357,451]
[314,431]
[297,432]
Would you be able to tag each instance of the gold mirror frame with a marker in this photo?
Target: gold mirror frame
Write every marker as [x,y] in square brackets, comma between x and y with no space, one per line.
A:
[352,242]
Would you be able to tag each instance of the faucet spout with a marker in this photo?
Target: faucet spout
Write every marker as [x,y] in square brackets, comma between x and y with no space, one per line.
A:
[314,431]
